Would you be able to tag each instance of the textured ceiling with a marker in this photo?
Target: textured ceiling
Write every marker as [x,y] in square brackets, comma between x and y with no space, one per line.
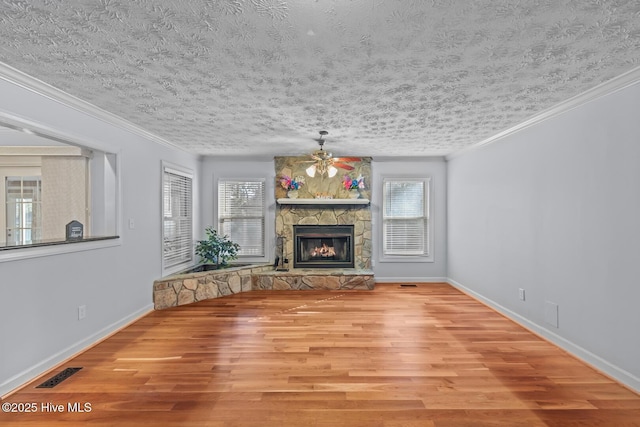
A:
[384,77]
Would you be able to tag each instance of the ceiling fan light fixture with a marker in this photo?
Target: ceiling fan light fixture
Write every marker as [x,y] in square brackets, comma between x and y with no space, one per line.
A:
[324,161]
[311,171]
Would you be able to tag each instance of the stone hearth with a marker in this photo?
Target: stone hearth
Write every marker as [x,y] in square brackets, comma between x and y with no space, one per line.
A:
[314,279]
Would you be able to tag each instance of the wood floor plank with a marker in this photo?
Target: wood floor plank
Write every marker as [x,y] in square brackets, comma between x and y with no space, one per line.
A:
[393,357]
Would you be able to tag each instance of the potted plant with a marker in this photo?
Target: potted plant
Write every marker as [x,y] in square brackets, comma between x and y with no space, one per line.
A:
[216,249]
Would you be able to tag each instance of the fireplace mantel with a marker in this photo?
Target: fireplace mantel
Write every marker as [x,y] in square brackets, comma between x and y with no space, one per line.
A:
[323,201]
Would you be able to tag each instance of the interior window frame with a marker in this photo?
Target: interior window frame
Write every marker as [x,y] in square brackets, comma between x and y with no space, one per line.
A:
[56,247]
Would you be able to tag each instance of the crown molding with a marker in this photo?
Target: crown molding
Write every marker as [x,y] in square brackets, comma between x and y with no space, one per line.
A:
[623,81]
[41,88]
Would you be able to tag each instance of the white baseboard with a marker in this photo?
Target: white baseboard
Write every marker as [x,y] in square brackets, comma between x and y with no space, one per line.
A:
[411,279]
[607,368]
[24,377]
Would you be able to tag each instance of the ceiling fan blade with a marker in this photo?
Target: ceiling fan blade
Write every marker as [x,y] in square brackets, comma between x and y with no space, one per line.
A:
[343,166]
[348,159]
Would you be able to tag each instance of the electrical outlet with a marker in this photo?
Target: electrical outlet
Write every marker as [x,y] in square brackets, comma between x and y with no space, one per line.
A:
[82,312]
[521,294]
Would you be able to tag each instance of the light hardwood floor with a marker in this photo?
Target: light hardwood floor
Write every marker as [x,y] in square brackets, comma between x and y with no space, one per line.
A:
[396,356]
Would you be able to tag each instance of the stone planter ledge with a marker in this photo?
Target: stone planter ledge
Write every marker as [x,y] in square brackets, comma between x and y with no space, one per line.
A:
[188,288]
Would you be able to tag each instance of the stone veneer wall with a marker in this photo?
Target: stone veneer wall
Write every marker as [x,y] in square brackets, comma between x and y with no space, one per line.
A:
[322,186]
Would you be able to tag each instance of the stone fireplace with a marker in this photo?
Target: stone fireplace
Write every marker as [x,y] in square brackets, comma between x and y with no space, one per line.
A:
[357,216]
[322,201]
[323,246]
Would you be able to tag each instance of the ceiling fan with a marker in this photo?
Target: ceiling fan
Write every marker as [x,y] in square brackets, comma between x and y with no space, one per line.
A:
[325,163]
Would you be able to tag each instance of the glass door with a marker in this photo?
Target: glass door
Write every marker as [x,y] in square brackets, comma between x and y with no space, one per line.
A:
[23,213]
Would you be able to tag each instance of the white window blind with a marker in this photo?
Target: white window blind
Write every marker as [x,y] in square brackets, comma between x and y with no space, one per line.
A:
[405,217]
[177,218]
[241,214]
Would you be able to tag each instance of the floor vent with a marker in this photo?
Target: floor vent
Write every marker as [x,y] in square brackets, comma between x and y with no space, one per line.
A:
[58,378]
[408,285]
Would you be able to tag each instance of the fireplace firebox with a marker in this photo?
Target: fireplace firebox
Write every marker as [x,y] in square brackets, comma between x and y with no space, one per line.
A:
[323,246]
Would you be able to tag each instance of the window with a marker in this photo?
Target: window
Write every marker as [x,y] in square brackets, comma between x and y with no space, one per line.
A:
[241,214]
[406,224]
[177,225]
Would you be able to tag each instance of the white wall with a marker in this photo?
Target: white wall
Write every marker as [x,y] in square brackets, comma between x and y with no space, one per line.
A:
[40,296]
[435,168]
[555,209]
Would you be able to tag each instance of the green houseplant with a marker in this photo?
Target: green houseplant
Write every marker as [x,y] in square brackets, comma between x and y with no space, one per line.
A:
[216,249]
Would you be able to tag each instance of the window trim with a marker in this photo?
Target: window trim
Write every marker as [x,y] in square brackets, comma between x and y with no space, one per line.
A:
[265,210]
[429,210]
[174,169]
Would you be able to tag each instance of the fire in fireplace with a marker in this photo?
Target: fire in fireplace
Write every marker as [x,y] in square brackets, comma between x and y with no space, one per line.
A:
[323,246]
